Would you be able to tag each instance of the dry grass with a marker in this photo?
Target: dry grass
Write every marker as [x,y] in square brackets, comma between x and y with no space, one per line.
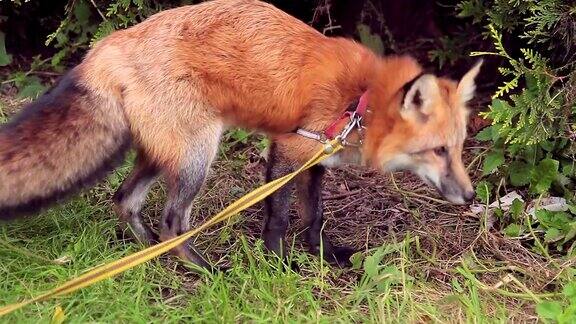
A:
[367,210]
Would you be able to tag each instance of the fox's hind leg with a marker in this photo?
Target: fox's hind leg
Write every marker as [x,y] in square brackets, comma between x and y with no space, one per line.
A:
[184,181]
[130,197]
[308,191]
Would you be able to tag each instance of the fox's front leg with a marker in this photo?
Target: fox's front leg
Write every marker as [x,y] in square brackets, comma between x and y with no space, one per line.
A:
[284,157]
[309,192]
[277,205]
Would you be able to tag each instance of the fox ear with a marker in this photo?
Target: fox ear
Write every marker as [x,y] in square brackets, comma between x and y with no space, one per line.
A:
[467,86]
[418,97]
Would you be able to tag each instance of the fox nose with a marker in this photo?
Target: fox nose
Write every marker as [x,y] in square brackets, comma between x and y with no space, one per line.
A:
[469,196]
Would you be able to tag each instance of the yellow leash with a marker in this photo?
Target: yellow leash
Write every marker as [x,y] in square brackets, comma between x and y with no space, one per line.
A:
[111,269]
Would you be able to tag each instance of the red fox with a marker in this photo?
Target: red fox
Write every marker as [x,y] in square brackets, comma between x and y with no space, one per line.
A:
[172,84]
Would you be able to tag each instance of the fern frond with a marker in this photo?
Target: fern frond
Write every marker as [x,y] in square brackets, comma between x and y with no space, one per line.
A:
[506,88]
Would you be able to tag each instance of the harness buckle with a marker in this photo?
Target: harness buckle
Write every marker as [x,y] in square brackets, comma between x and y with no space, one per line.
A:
[354,123]
[328,148]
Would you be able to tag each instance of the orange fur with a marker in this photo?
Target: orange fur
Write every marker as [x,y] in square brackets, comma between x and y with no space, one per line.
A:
[188,73]
[241,61]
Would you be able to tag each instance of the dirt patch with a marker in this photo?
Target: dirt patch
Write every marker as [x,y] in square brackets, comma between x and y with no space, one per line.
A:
[9,105]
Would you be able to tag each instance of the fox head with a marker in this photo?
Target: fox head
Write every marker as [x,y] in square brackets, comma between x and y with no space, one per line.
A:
[418,124]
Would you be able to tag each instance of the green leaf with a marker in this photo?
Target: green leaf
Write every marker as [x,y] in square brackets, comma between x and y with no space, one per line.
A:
[493,160]
[569,170]
[498,212]
[240,135]
[520,173]
[5,58]
[485,134]
[391,273]
[32,89]
[106,28]
[517,208]
[496,132]
[470,8]
[57,58]
[544,217]
[373,41]
[483,189]
[372,263]
[356,260]
[548,145]
[513,230]
[82,13]
[544,175]
[552,235]
[549,310]
[500,109]
[531,82]
[562,220]
[570,290]
[571,233]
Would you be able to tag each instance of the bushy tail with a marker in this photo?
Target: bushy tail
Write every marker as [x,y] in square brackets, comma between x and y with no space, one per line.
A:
[65,141]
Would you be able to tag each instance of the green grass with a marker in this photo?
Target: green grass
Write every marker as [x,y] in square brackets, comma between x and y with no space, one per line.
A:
[398,281]
[255,289]
[39,253]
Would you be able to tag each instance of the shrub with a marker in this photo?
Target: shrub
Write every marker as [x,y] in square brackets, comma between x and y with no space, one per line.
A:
[533,111]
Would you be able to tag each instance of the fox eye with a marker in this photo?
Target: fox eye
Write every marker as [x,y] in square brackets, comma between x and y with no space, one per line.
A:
[441,151]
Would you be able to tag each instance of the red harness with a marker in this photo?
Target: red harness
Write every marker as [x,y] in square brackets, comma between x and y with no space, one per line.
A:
[354,121]
[360,110]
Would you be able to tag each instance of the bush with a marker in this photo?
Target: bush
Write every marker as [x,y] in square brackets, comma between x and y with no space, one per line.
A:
[533,111]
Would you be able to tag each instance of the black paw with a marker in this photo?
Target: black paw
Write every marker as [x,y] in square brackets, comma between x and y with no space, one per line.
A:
[294,266]
[340,256]
[274,243]
[286,263]
[140,235]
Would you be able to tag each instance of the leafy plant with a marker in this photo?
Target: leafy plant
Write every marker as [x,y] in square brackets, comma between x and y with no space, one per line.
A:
[530,127]
[549,230]
[28,84]
[532,114]
[380,274]
[483,189]
[560,311]
[559,227]
[516,223]
[533,111]
[73,33]
[371,40]
[5,58]
[447,52]
[236,137]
